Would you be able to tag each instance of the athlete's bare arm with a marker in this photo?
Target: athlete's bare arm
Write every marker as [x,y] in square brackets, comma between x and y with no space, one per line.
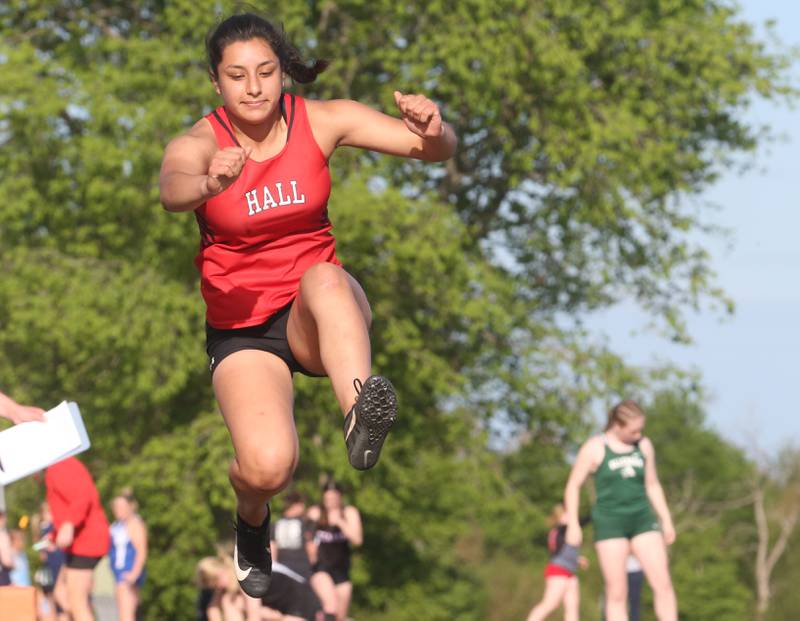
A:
[195,169]
[420,133]
[585,463]
[350,525]
[655,493]
[138,534]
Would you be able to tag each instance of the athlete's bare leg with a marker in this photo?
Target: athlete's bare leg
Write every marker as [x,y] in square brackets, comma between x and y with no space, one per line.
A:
[344,593]
[611,555]
[127,597]
[325,589]
[554,589]
[651,551]
[572,600]
[254,391]
[328,329]
[79,587]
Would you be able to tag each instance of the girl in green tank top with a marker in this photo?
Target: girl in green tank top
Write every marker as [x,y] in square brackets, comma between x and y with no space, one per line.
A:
[631,514]
[619,481]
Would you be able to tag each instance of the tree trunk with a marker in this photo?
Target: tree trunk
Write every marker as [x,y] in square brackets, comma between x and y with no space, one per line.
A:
[766,559]
[762,573]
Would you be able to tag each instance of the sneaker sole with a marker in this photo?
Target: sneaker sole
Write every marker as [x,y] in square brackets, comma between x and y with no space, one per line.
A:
[377,413]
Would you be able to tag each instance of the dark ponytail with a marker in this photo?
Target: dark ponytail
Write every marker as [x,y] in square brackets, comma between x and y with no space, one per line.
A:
[247,26]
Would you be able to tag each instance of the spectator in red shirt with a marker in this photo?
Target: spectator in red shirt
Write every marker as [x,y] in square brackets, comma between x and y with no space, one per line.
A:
[81,530]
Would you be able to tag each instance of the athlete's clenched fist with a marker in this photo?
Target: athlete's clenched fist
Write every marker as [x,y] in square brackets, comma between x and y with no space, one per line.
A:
[225,167]
[420,115]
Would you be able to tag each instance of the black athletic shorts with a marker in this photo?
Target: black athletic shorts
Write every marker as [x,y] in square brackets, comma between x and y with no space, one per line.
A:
[337,574]
[291,597]
[76,561]
[269,336]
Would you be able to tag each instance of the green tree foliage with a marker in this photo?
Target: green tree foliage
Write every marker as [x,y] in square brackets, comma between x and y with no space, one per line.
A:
[117,338]
[707,576]
[706,480]
[581,124]
[584,128]
[701,470]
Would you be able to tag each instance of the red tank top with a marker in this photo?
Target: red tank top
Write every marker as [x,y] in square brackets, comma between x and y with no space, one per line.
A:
[263,232]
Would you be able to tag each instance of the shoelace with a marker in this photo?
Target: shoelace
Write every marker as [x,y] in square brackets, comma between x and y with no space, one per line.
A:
[356,422]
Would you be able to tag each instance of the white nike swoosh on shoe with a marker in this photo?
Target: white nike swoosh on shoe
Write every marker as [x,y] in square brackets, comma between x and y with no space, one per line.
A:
[352,426]
[367,453]
[241,575]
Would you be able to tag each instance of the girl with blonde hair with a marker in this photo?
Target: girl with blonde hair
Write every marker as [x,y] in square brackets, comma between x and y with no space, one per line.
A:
[631,513]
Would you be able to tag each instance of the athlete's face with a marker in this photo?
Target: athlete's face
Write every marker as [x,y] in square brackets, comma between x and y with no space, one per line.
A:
[250,80]
[631,432]
[332,499]
[121,508]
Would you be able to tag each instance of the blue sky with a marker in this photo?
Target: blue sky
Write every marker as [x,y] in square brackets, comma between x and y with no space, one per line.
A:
[749,363]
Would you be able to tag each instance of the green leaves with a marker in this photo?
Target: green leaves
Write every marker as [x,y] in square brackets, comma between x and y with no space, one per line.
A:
[112,336]
[584,131]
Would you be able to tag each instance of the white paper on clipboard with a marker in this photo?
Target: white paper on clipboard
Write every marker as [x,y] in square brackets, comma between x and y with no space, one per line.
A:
[29,447]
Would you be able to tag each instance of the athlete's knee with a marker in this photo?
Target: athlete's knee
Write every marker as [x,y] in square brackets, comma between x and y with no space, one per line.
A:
[616,594]
[268,471]
[662,587]
[571,604]
[571,613]
[268,480]
[78,600]
[323,277]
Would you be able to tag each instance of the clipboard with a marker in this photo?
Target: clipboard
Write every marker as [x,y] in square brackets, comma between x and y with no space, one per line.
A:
[33,446]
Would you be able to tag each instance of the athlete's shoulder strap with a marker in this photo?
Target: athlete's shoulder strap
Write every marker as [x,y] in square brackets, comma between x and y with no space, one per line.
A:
[290,120]
[221,126]
[225,125]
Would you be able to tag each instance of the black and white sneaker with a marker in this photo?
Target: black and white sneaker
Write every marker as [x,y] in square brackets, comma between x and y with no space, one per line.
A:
[252,561]
[369,420]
